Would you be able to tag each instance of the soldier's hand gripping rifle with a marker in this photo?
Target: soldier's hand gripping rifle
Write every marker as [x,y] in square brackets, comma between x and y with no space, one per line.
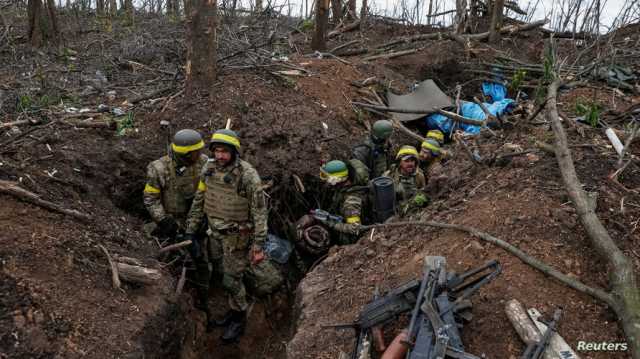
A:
[536,349]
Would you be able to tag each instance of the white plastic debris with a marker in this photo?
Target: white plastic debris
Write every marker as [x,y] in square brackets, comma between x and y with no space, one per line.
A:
[615,141]
[103,108]
[117,111]
[71,110]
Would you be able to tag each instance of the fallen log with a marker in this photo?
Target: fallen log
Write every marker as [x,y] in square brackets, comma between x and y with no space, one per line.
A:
[410,39]
[624,298]
[559,347]
[508,30]
[138,274]
[342,46]
[13,189]
[353,52]
[349,27]
[391,55]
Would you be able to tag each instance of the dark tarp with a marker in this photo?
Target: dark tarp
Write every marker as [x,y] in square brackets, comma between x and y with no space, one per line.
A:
[427,96]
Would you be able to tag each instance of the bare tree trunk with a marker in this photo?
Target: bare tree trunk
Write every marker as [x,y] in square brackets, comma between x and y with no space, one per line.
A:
[363,14]
[336,9]
[113,8]
[201,47]
[319,41]
[496,21]
[625,294]
[461,16]
[351,6]
[43,26]
[128,10]
[258,7]
[100,7]
[186,4]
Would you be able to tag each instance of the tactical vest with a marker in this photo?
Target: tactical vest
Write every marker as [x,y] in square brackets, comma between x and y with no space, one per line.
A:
[223,199]
[179,190]
[407,186]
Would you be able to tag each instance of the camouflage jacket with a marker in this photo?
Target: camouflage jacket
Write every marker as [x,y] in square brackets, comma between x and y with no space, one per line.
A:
[170,190]
[375,157]
[348,203]
[249,192]
[407,188]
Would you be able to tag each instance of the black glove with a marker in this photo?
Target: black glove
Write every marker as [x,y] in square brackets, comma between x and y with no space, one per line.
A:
[166,228]
[196,247]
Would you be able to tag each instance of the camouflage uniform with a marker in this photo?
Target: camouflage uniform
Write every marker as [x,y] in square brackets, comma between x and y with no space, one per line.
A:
[170,190]
[374,156]
[233,201]
[406,188]
[348,203]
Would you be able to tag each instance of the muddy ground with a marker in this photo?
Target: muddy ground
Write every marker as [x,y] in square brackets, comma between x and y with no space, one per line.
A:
[57,299]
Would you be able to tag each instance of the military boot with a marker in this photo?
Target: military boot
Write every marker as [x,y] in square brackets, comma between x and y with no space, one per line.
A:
[235,328]
[225,320]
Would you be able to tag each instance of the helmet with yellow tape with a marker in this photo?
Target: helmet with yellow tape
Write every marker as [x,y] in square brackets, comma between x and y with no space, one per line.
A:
[431,145]
[436,135]
[186,141]
[226,137]
[406,152]
[334,172]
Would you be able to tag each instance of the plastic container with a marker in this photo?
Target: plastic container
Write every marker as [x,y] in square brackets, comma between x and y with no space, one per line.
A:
[278,249]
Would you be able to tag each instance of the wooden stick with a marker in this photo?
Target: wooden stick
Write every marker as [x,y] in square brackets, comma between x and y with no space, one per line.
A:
[181,281]
[115,277]
[543,267]
[521,322]
[14,123]
[13,189]
[346,44]
[228,126]
[390,55]
[175,246]
[138,274]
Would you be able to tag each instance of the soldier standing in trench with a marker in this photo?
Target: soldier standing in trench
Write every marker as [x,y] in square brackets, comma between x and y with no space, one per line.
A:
[408,180]
[374,151]
[231,197]
[171,186]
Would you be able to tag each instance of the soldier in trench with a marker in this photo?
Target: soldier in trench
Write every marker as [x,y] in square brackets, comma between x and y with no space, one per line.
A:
[230,196]
[374,151]
[408,180]
[341,224]
[171,185]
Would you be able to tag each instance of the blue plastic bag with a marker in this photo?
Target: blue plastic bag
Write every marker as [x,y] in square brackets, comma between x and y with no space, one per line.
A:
[277,248]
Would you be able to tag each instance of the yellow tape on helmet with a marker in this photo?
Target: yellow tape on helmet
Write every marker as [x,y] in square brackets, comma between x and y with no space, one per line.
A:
[187,149]
[150,189]
[226,138]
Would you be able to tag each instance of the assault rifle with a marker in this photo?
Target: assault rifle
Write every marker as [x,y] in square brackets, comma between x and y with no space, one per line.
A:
[438,303]
[536,349]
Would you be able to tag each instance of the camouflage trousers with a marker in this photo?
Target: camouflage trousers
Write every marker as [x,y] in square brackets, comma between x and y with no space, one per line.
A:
[239,273]
[209,265]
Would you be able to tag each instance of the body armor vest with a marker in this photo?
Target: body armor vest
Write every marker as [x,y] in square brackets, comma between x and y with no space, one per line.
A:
[223,199]
[179,190]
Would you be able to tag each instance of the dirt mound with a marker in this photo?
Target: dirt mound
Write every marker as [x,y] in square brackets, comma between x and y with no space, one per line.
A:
[523,203]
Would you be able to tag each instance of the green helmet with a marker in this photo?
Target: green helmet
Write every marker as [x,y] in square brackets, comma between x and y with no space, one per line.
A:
[185,141]
[334,172]
[226,137]
[382,129]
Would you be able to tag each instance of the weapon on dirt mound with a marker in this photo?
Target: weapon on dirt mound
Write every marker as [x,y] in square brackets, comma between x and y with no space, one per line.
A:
[536,349]
[322,215]
[439,306]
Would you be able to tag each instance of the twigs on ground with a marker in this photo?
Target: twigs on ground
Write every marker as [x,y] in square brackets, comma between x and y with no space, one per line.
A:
[391,55]
[13,189]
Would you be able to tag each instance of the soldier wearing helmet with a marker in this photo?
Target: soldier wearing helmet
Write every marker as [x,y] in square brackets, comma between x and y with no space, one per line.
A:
[374,151]
[172,181]
[171,186]
[231,197]
[408,180]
